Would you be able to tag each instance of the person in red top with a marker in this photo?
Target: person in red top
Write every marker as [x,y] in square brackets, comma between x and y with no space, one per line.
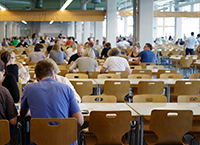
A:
[90,41]
[69,41]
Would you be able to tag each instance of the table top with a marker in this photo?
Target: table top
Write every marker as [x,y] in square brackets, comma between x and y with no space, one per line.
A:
[93,81]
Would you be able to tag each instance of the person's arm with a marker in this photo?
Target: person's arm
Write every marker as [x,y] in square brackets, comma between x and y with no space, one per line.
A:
[23,112]
[79,118]
[13,121]
[128,70]
[103,70]
[72,66]
[28,60]
[185,44]
[137,61]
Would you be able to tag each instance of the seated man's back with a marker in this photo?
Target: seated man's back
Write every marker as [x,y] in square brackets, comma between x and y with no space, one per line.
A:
[147,56]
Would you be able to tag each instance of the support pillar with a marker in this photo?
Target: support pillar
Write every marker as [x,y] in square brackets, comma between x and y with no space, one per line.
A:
[18,30]
[111,8]
[14,29]
[86,31]
[79,32]
[126,26]
[2,28]
[178,25]
[9,29]
[71,29]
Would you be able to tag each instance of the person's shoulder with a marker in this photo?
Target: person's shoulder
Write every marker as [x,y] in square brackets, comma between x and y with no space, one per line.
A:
[4,90]
[10,77]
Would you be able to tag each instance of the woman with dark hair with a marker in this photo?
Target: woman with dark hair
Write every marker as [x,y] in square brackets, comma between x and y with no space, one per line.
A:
[135,51]
[37,55]
[8,81]
[11,68]
[34,40]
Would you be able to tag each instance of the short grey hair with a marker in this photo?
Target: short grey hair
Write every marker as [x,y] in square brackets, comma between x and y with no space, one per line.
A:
[114,52]
[55,66]
[89,52]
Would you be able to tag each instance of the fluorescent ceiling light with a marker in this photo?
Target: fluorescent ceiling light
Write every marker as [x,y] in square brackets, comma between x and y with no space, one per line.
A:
[24,22]
[2,7]
[162,2]
[66,4]
[51,22]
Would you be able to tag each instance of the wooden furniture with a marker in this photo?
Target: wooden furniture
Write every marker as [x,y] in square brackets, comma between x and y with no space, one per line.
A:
[135,67]
[139,76]
[18,51]
[142,71]
[169,126]
[176,51]
[110,127]
[4,132]
[108,76]
[144,65]
[195,76]
[149,98]
[188,98]
[53,131]
[161,71]
[20,88]
[123,74]
[118,88]
[83,87]
[99,99]
[185,64]
[155,67]
[63,72]
[76,76]
[29,50]
[150,87]
[91,74]
[171,76]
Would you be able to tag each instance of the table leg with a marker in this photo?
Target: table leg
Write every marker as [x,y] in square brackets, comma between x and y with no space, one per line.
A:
[169,63]
[137,138]
[168,92]
[193,67]
[98,90]
[141,129]
[176,63]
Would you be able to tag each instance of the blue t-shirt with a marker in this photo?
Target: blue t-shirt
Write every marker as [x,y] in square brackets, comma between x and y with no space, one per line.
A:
[147,56]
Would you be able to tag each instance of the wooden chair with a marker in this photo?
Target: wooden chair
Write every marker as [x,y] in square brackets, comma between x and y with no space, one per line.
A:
[176,51]
[32,63]
[29,50]
[44,132]
[61,63]
[155,67]
[108,76]
[139,76]
[91,74]
[144,65]
[149,98]
[135,67]
[63,72]
[123,74]
[118,88]
[4,132]
[20,88]
[18,51]
[171,76]
[188,98]
[150,87]
[168,126]
[83,87]
[99,99]
[185,65]
[142,71]
[164,52]
[195,76]
[162,71]
[76,76]
[108,127]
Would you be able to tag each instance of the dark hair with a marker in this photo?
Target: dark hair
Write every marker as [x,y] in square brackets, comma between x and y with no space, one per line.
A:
[108,44]
[88,39]
[5,57]
[198,35]
[192,33]
[38,47]
[33,35]
[91,44]
[44,69]
[2,65]
[149,45]
[137,45]
[57,40]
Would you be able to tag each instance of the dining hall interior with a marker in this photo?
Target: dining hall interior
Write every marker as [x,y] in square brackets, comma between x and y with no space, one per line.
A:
[99,72]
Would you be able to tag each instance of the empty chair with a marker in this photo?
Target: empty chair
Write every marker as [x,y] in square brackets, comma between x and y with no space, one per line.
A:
[144,65]
[139,76]
[185,65]
[161,71]
[171,76]
[142,71]
[108,76]
[195,76]
[18,51]
[135,67]
[176,51]
[91,74]
[29,50]
[118,88]
[54,131]
[155,67]
[150,87]
[149,98]
[76,76]
[168,126]
[188,98]
[4,132]
[63,72]
[123,74]
[99,99]
[107,127]
[83,87]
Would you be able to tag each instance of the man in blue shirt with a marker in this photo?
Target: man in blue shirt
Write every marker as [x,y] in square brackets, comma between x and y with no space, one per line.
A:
[146,56]
[49,98]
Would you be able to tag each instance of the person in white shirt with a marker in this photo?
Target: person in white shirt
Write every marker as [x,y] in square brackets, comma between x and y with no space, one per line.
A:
[97,45]
[115,63]
[189,44]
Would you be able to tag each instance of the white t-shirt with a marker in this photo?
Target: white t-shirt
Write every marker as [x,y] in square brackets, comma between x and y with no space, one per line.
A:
[191,42]
[70,52]
[116,63]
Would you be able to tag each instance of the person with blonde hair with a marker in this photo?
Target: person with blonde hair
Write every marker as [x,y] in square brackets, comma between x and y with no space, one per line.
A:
[72,49]
[57,55]
[87,62]
[115,63]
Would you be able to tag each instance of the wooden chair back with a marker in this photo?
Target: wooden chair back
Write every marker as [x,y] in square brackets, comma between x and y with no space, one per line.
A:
[110,127]
[61,63]
[91,74]
[162,71]
[155,67]
[123,74]
[63,72]
[176,51]
[20,88]
[142,71]
[195,76]
[99,99]
[144,65]
[188,99]
[32,63]
[149,98]
[170,125]
[53,131]
[171,76]
[155,51]
[108,76]
[164,52]
[118,88]
[187,87]
[76,76]
[18,51]
[83,87]
[135,67]
[4,132]
[139,76]
[186,62]
[150,87]
[29,50]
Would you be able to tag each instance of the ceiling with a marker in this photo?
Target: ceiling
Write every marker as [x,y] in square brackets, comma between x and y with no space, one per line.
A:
[75,5]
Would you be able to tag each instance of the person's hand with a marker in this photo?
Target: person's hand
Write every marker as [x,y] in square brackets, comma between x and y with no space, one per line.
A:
[21,76]
[72,62]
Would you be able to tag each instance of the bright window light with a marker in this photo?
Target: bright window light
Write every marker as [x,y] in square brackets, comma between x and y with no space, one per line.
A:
[66,4]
